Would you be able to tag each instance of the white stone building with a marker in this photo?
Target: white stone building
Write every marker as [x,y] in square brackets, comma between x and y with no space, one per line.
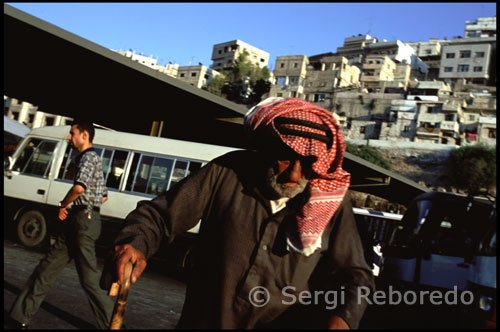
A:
[224,54]
[467,58]
[198,76]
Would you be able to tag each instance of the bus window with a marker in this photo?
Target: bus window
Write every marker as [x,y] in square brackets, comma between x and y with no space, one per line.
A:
[193,166]
[133,169]
[67,170]
[106,158]
[151,175]
[179,172]
[36,157]
[114,172]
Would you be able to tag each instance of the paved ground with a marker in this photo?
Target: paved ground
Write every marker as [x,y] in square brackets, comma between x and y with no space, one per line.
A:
[155,301]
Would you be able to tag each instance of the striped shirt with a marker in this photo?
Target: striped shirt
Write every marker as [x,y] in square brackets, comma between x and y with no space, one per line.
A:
[89,175]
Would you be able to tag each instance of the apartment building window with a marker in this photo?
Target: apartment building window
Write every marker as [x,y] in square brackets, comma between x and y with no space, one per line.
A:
[295,65]
[478,69]
[492,133]
[463,68]
[479,54]
[472,118]
[49,121]
[362,130]
[279,95]
[220,51]
[182,75]
[193,74]
[465,54]
[282,65]
[369,72]
[293,94]
[406,129]
[294,80]
[448,69]
[280,80]
[450,117]
[450,55]
[319,97]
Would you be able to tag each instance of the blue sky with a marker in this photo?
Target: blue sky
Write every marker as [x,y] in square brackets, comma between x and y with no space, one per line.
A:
[185,33]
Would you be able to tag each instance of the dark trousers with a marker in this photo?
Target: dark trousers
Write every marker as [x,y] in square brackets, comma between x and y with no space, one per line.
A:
[76,239]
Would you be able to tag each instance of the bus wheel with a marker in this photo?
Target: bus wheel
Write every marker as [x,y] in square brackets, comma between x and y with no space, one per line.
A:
[31,229]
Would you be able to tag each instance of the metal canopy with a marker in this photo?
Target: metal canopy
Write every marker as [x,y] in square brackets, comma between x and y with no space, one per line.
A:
[65,74]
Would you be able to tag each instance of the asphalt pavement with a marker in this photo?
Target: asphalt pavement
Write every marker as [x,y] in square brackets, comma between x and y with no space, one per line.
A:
[155,301]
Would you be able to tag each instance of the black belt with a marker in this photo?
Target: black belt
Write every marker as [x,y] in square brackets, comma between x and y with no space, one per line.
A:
[85,207]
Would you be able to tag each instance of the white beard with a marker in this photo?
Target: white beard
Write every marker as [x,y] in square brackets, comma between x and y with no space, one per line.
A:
[282,190]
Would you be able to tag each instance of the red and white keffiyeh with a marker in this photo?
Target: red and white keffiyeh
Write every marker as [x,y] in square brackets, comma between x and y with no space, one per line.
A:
[327,191]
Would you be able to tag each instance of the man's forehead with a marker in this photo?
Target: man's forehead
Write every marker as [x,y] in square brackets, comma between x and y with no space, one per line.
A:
[73,129]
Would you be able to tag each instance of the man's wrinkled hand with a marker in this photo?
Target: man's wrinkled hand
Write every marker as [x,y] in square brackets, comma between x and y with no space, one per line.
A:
[124,254]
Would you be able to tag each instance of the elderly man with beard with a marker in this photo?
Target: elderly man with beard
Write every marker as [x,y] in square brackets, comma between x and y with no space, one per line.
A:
[276,222]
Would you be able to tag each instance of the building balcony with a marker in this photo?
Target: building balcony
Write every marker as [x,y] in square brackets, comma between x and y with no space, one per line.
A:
[450,108]
[403,102]
[431,132]
[403,108]
[487,120]
[450,125]
[424,98]
[406,116]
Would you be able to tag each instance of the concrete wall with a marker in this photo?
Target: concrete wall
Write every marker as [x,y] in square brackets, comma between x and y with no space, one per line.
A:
[407,149]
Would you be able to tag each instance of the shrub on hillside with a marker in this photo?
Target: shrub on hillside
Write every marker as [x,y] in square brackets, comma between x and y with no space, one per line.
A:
[370,154]
[473,167]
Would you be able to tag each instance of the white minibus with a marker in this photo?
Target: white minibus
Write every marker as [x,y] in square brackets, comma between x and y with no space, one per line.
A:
[136,167]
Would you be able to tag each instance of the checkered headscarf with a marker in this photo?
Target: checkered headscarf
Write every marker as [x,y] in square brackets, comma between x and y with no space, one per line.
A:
[309,130]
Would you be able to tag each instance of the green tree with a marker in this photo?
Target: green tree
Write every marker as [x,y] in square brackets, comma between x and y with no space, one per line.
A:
[259,88]
[241,76]
[216,84]
[370,154]
[473,168]
[242,67]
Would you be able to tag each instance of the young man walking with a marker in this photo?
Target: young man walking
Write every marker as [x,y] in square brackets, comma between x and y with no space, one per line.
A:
[80,228]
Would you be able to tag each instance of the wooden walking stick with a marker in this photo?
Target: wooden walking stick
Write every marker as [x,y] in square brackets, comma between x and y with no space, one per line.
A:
[121,301]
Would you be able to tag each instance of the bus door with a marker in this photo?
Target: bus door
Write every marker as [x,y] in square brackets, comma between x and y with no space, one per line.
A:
[28,178]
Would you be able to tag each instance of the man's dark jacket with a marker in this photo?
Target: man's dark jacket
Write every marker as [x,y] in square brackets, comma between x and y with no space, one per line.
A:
[242,245]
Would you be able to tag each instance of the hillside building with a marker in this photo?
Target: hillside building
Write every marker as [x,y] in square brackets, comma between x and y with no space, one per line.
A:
[224,54]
